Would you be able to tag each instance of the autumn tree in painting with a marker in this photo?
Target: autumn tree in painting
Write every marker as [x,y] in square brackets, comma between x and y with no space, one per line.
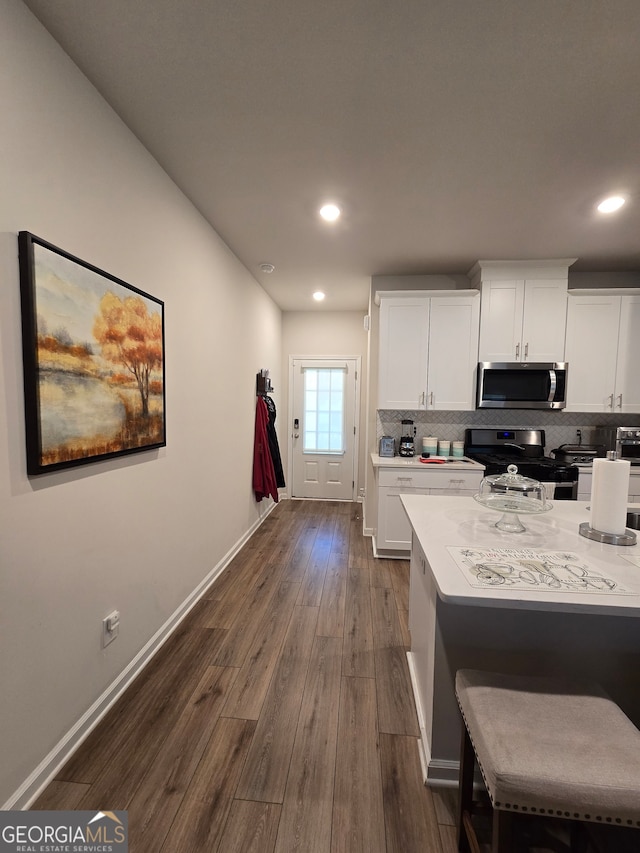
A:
[130,336]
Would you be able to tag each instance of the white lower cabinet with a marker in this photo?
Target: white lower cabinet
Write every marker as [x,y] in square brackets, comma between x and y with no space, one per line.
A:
[586,477]
[393,529]
[584,485]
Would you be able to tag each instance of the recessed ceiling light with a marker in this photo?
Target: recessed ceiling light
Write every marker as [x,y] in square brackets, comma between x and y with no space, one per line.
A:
[611,204]
[268,268]
[318,296]
[330,212]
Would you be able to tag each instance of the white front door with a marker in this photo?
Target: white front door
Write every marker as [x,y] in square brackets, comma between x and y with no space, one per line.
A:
[323,418]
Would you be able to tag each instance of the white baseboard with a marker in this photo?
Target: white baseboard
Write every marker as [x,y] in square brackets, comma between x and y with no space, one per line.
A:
[436,773]
[39,778]
[388,553]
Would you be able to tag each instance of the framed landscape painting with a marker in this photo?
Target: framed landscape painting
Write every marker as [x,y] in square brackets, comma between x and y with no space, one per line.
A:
[93,353]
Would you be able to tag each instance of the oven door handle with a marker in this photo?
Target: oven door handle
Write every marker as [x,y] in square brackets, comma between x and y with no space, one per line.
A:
[553,385]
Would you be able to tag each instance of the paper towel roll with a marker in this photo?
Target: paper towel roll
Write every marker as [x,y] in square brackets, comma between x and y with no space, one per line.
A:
[609,495]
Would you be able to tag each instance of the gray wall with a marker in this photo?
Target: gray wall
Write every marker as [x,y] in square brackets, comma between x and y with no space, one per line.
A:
[141,533]
[324,333]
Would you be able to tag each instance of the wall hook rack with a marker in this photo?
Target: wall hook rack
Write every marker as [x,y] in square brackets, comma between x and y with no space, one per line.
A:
[263,383]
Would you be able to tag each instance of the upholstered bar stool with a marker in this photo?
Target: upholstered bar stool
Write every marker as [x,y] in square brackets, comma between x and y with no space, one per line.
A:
[545,746]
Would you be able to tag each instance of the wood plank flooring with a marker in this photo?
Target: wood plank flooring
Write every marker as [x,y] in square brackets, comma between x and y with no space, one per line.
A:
[279,716]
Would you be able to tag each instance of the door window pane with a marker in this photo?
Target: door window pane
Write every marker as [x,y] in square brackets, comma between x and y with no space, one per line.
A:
[323,422]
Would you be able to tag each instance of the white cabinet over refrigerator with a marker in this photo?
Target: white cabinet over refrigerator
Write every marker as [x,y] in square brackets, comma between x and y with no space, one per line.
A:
[428,349]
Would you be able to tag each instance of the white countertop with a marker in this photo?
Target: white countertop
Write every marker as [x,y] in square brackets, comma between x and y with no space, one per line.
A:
[452,463]
[443,522]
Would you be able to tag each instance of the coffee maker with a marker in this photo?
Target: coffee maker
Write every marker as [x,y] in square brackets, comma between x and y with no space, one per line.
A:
[407,446]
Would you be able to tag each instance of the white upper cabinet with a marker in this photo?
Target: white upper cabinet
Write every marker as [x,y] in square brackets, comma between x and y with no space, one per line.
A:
[404,346]
[627,391]
[603,352]
[453,352]
[428,350]
[523,310]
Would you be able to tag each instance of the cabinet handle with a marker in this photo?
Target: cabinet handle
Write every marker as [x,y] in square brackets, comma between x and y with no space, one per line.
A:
[526,351]
[422,398]
[620,401]
[431,399]
[611,401]
[517,351]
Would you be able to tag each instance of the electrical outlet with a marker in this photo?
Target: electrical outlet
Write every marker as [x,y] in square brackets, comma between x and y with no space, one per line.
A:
[110,628]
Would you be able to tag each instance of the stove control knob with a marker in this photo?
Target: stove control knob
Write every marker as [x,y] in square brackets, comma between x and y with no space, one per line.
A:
[638,433]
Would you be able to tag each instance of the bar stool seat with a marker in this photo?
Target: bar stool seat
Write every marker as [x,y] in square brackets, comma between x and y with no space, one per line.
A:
[546,746]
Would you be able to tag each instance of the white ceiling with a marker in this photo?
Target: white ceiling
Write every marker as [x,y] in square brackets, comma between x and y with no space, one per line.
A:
[448,130]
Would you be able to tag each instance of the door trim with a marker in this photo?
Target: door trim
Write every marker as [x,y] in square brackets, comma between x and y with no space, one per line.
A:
[329,360]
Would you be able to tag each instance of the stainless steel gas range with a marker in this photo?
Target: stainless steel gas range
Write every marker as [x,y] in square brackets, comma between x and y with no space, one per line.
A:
[496,449]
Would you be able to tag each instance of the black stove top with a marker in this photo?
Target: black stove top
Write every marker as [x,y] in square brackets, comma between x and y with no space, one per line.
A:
[497,449]
[542,468]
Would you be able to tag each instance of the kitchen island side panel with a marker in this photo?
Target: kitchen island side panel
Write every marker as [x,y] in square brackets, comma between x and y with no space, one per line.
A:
[457,624]
[604,648]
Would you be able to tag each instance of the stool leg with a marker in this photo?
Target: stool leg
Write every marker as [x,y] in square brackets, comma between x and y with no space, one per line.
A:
[465,793]
[579,840]
[502,837]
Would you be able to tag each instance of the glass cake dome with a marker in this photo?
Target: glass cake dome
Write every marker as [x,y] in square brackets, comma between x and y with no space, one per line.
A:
[512,494]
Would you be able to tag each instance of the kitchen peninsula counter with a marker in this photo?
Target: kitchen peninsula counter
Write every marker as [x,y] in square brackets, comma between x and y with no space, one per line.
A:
[546,601]
[455,463]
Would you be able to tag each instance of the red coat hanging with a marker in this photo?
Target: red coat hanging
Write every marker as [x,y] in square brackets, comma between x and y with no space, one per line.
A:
[264,475]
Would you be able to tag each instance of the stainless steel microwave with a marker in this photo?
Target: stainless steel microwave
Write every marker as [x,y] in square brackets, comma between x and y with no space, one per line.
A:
[522,385]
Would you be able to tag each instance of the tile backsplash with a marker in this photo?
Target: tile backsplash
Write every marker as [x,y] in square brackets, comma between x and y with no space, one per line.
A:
[560,427]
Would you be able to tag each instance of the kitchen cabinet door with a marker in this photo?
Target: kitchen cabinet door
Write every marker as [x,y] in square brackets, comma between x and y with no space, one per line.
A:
[523,320]
[453,353]
[634,486]
[585,479]
[501,312]
[544,320]
[591,353]
[394,530]
[402,372]
[428,352]
[627,386]
[603,352]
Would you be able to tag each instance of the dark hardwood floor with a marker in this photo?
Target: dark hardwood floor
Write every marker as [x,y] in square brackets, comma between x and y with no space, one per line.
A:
[278,717]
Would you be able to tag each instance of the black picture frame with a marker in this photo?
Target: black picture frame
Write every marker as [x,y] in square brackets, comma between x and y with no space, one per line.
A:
[93,361]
